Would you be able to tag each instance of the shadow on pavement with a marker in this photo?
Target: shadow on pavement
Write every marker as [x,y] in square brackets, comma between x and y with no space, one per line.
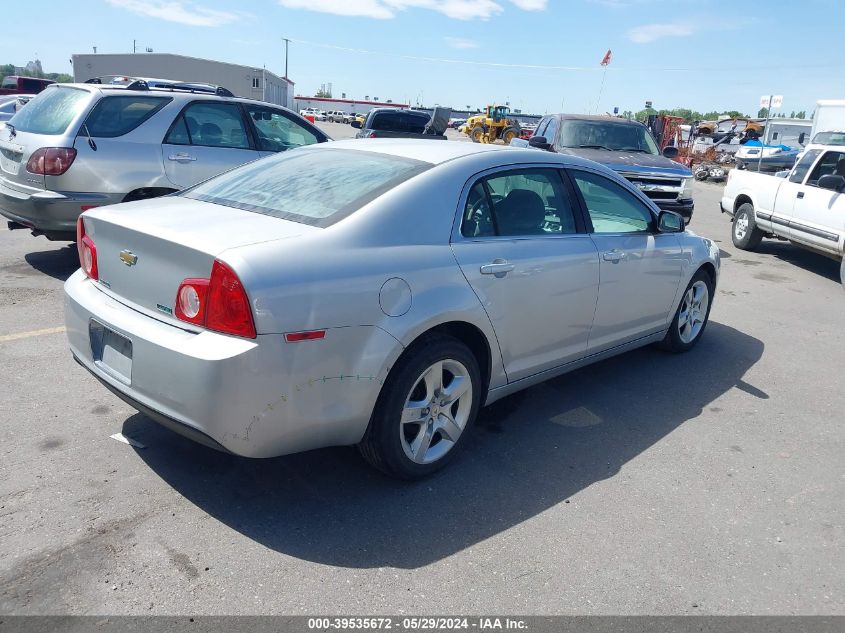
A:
[534,451]
[808,260]
[59,263]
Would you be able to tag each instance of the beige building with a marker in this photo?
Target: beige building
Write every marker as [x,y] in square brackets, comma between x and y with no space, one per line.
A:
[244,81]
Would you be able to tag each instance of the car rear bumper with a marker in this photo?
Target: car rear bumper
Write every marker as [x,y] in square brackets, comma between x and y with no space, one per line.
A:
[49,211]
[254,398]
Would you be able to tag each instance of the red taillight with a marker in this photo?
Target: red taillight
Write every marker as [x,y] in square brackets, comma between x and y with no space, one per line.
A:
[372,135]
[51,161]
[219,303]
[87,251]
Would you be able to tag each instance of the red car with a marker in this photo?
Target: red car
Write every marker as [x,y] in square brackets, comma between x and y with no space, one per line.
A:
[15,85]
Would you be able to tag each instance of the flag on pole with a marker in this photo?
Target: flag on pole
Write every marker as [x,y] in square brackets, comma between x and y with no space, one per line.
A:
[607,57]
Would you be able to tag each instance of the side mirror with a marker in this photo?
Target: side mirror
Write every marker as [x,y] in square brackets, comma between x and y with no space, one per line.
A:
[356,124]
[833,182]
[670,222]
[802,137]
[539,142]
[670,151]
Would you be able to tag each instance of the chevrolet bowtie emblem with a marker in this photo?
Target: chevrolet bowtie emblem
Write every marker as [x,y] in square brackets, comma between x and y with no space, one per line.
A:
[128,257]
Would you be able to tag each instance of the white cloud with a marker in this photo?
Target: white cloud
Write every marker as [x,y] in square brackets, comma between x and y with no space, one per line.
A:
[461,42]
[531,5]
[387,9]
[180,12]
[651,32]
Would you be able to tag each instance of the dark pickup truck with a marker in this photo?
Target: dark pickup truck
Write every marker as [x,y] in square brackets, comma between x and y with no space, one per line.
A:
[396,123]
[626,147]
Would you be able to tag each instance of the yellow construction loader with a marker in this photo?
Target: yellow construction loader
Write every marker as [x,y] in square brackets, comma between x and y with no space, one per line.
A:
[495,123]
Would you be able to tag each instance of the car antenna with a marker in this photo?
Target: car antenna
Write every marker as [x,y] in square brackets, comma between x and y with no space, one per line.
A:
[88,134]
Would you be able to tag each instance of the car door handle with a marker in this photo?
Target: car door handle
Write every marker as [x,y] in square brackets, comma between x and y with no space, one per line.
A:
[499,267]
[614,256]
[800,194]
[181,157]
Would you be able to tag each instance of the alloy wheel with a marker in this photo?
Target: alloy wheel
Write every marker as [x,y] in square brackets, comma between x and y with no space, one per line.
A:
[436,411]
[741,226]
[693,311]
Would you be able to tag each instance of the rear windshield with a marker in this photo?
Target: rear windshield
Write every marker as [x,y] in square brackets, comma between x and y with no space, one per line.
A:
[116,116]
[829,138]
[317,187]
[399,121]
[51,111]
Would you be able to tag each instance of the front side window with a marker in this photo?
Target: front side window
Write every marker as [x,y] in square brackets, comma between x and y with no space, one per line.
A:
[51,111]
[551,131]
[317,187]
[210,124]
[276,132]
[832,163]
[116,116]
[803,166]
[612,209]
[518,203]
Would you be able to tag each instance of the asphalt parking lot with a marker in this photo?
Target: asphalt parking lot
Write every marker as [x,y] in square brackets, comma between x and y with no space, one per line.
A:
[710,482]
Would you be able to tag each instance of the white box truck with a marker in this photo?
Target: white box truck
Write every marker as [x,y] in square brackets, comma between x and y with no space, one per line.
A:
[829,116]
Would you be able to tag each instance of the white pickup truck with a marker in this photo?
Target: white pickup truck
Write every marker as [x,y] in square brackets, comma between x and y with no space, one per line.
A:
[805,206]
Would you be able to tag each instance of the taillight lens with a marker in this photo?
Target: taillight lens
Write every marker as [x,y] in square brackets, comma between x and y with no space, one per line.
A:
[87,251]
[219,303]
[372,135]
[51,161]
[191,300]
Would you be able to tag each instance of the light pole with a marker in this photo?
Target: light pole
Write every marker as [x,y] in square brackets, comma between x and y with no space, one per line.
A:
[287,42]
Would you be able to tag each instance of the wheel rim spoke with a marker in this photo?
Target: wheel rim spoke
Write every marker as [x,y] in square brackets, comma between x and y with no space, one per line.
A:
[448,428]
[422,442]
[693,312]
[414,413]
[457,388]
[433,378]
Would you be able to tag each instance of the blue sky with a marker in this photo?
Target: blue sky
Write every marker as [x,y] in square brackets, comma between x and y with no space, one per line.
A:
[702,55]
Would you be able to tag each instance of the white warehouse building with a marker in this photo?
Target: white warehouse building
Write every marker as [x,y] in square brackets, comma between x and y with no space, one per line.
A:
[244,81]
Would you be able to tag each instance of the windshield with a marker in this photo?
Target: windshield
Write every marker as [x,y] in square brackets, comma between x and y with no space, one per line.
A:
[316,187]
[607,135]
[51,112]
[829,138]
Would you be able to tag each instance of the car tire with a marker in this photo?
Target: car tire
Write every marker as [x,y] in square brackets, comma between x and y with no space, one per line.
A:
[842,273]
[745,234]
[692,315]
[415,429]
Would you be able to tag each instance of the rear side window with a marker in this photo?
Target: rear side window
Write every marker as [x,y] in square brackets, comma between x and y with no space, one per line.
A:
[800,170]
[116,116]
[317,187]
[9,82]
[210,124]
[277,132]
[51,111]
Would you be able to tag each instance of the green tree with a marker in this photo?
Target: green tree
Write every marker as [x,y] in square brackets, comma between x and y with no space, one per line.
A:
[762,113]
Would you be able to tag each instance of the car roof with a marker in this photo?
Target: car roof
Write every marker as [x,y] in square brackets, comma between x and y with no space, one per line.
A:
[603,118]
[164,91]
[438,152]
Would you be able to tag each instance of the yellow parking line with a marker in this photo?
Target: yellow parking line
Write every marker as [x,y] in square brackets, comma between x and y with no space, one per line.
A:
[14,337]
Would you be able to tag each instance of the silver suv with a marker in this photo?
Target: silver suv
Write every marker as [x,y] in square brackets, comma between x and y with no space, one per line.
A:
[78,146]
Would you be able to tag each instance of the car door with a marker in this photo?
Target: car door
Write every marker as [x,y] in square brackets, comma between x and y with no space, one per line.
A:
[640,269]
[277,131]
[818,217]
[522,247]
[207,138]
[790,190]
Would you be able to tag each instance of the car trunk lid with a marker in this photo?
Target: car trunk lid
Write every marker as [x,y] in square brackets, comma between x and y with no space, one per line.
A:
[145,249]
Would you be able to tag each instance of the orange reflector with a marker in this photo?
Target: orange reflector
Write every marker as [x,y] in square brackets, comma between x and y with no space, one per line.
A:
[312,335]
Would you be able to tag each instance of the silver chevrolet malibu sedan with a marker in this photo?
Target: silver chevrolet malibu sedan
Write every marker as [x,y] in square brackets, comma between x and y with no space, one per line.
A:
[376,292]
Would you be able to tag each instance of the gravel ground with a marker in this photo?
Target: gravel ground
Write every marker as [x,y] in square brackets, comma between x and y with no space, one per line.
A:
[710,482]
